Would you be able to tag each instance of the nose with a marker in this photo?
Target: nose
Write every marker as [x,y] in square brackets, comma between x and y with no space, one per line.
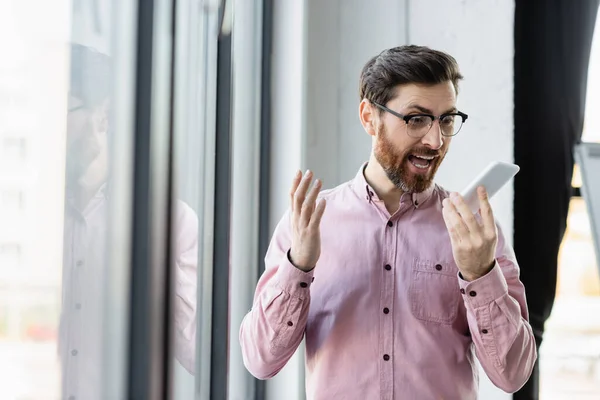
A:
[434,138]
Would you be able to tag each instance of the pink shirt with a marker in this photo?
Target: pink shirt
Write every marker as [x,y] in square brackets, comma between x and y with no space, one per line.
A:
[385,313]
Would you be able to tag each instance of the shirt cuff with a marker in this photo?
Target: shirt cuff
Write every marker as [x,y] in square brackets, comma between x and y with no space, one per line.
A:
[484,290]
[293,280]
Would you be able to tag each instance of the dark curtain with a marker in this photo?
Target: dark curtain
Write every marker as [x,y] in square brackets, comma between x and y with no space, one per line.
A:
[552,49]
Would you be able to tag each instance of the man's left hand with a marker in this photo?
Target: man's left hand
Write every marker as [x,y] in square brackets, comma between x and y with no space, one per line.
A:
[473,242]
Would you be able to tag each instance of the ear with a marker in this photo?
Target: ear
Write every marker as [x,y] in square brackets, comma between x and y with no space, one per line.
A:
[368,116]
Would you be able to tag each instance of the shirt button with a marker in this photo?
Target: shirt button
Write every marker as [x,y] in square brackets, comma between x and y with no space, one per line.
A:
[290,323]
[484,331]
[303,284]
[80,263]
[386,310]
[386,357]
[462,291]
[388,267]
[74,352]
[438,267]
[390,224]
[472,293]
[312,279]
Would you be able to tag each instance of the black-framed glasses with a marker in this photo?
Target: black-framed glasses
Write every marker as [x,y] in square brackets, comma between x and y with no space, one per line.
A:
[419,125]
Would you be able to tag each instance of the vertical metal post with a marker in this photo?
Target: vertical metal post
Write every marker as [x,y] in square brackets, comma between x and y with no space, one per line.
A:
[150,354]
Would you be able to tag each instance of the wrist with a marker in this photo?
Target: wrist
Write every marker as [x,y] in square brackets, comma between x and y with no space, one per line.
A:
[470,276]
[299,266]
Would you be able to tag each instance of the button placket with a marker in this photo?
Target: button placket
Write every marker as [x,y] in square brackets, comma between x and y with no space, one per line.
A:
[77,288]
[386,304]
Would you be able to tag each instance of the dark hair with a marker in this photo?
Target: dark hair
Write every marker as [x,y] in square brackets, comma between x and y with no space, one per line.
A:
[403,65]
[90,75]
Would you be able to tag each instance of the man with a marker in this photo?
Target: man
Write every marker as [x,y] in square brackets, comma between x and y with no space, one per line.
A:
[395,284]
[86,219]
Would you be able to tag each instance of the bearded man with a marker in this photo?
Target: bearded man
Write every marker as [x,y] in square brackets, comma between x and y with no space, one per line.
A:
[394,283]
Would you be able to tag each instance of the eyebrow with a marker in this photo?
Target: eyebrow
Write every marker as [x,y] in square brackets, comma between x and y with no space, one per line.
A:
[427,110]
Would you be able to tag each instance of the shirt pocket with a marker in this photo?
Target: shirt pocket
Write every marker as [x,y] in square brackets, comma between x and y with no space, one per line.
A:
[434,291]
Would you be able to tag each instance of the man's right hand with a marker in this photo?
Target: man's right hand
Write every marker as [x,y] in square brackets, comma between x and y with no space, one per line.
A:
[305,219]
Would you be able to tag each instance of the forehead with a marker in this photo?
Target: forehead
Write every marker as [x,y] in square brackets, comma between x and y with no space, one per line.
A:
[438,98]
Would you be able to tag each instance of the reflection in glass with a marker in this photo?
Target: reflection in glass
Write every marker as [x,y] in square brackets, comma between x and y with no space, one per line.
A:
[57,166]
[88,189]
[80,341]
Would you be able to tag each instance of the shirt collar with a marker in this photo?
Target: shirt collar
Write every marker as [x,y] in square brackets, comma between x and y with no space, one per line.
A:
[365,191]
[99,196]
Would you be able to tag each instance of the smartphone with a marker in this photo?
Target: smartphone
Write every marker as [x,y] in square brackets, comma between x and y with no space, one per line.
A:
[493,178]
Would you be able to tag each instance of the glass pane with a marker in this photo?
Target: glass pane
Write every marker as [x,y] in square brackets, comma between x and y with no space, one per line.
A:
[58,133]
[567,354]
[191,230]
[33,79]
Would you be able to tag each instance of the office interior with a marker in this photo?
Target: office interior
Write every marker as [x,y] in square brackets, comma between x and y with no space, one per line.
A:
[208,108]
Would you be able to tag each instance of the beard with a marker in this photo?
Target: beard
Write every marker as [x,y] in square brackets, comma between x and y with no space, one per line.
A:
[396,164]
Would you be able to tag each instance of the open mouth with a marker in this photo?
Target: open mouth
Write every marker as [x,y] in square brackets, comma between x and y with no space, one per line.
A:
[421,162]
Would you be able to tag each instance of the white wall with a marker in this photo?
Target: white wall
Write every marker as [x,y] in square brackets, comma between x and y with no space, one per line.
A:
[339,37]
[342,36]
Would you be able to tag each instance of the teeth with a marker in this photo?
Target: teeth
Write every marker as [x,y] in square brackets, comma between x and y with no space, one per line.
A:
[425,157]
[421,166]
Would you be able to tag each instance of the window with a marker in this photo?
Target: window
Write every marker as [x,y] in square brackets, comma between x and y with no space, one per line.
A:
[64,263]
[570,351]
[125,132]
[14,149]
[10,256]
[11,201]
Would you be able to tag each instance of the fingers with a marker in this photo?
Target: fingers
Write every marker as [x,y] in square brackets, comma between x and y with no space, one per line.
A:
[465,213]
[308,206]
[295,183]
[303,204]
[315,220]
[485,209]
[300,192]
[454,222]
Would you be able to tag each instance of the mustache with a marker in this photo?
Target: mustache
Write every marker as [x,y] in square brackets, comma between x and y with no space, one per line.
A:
[424,152]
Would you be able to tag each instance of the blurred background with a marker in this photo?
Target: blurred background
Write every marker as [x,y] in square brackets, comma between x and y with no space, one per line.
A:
[146,153]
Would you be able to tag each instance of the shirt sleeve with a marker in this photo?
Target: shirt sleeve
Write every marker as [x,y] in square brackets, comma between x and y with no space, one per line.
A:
[186,269]
[499,321]
[273,329]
